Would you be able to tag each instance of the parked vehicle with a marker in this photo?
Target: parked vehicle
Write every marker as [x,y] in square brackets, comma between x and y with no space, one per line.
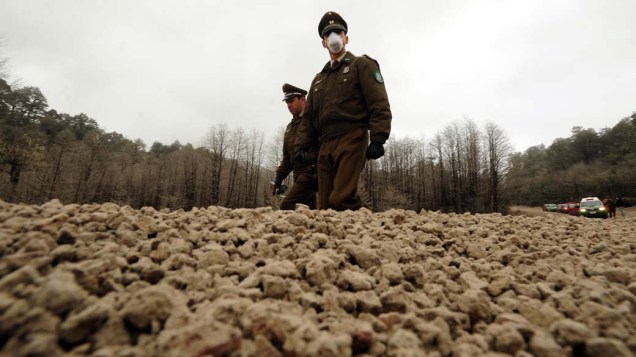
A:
[592,207]
[549,207]
[571,208]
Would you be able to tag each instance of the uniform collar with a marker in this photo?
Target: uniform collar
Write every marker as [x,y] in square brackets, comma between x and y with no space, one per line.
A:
[297,117]
[347,58]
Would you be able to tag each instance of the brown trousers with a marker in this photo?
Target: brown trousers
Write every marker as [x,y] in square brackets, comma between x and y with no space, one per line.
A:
[340,163]
[300,192]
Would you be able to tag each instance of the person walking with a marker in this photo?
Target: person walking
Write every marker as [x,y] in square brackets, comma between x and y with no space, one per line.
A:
[611,207]
[302,190]
[620,204]
[347,105]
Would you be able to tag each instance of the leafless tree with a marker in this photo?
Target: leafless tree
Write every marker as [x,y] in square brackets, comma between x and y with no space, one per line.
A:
[498,149]
[254,161]
[472,148]
[273,158]
[59,153]
[275,149]
[217,143]
[438,173]
[236,151]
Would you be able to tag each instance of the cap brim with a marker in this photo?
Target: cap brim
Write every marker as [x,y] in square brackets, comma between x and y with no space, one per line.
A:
[332,27]
[293,95]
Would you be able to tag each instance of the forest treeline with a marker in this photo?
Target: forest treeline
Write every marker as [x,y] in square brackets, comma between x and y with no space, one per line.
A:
[588,163]
[465,167]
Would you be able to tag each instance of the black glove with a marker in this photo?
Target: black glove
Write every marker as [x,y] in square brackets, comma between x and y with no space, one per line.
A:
[301,156]
[280,190]
[278,181]
[375,150]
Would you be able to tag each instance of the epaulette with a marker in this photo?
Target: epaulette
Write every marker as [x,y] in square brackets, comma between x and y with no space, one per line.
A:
[372,59]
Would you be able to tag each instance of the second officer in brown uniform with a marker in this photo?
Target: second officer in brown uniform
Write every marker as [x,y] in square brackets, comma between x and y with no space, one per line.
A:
[303,190]
[347,104]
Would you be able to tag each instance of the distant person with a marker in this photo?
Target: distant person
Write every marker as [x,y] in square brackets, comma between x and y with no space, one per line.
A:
[302,190]
[347,105]
[611,207]
[621,205]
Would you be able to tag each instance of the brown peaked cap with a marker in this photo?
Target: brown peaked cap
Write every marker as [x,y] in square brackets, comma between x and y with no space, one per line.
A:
[293,91]
[331,21]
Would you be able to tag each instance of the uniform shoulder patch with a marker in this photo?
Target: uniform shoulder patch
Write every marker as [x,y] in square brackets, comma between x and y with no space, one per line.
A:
[378,76]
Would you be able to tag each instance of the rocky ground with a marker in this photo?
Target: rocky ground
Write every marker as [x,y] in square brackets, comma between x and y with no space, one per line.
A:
[108,280]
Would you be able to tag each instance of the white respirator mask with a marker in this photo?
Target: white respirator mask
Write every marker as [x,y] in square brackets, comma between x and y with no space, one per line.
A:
[335,43]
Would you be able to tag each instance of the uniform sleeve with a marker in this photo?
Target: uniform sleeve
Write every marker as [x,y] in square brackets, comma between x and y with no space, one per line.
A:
[307,137]
[376,99]
[285,166]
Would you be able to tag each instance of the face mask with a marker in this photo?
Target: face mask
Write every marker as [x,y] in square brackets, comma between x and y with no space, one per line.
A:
[335,43]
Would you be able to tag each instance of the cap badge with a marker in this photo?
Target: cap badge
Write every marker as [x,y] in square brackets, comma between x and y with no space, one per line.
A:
[331,22]
[345,70]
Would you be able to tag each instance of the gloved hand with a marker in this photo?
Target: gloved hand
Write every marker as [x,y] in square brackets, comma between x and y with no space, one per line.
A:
[375,150]
[279,191]
[301,156]
[278,181]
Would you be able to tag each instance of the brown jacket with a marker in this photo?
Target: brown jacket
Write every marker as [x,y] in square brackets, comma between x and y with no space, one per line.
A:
[351,95]
[288,163]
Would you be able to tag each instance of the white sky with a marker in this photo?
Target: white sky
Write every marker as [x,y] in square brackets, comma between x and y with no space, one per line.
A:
[169,70]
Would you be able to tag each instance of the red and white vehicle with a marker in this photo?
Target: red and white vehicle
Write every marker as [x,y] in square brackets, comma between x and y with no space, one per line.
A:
[570,208]
[592,207]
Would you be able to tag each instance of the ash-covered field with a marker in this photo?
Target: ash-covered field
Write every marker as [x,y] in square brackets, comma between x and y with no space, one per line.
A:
[109,280]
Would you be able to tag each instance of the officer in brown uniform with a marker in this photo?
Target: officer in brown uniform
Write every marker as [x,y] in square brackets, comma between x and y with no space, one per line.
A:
[303,190]
[347,104]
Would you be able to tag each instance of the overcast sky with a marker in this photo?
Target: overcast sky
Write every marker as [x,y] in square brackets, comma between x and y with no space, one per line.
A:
[169,70]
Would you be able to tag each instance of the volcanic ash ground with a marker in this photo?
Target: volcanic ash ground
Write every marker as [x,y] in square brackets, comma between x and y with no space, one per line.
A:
[108,280]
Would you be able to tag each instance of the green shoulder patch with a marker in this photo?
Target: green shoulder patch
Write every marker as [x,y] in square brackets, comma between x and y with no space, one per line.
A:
[378,77]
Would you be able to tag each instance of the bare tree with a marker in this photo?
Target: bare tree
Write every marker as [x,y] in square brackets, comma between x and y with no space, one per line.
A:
[458,150]
[217,142]
[498,149]
[275,149]
[472,153]
[236,147]
[420,180]
[58,153]
[369,185]
[86,165]
[440,190]
[254,161]
[452,153]
[190,166]
[399,163]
